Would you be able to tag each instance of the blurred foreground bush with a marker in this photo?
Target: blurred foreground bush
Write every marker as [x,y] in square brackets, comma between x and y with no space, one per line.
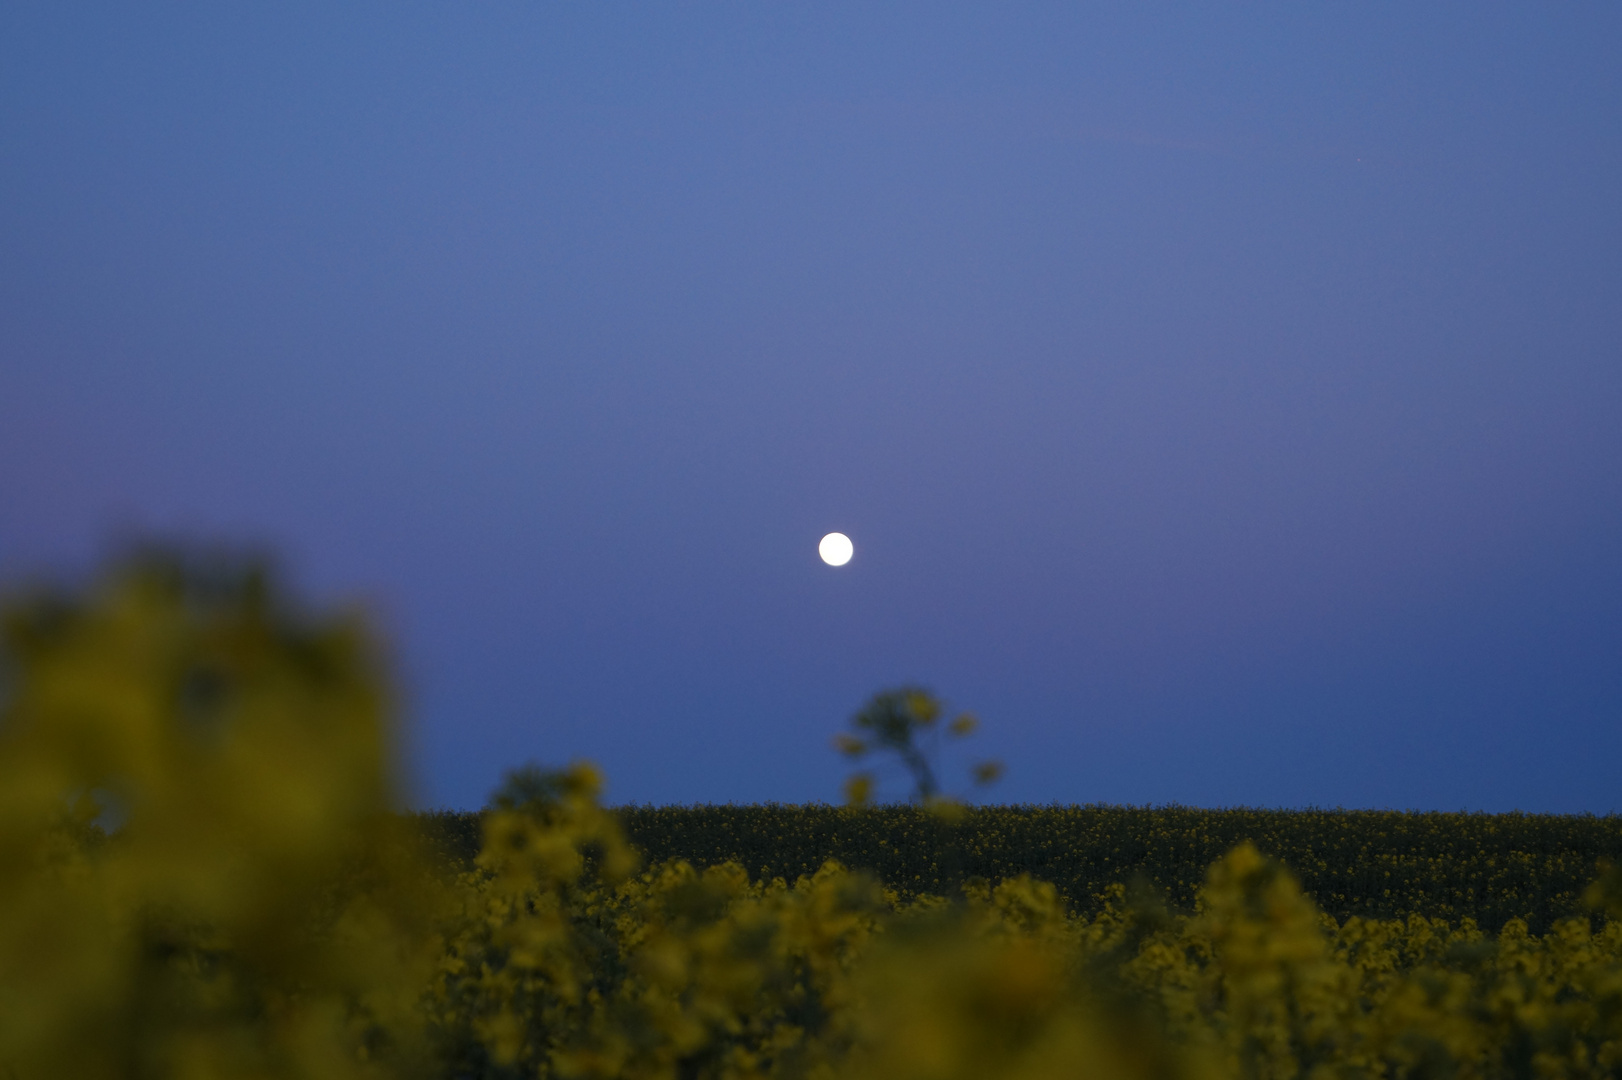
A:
[201,875]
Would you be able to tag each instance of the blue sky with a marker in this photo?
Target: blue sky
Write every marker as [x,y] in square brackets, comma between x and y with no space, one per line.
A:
[1225,401]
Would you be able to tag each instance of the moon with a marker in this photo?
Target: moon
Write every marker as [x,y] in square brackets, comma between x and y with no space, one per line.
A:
[836,549]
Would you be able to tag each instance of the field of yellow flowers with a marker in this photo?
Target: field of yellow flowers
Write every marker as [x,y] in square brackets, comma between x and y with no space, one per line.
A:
[1489,868]
[202,874]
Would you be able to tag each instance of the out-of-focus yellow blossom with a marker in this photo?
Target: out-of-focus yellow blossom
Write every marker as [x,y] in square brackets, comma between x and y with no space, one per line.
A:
[199,873]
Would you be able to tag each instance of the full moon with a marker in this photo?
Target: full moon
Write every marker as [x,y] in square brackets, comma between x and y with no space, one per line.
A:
[836,549]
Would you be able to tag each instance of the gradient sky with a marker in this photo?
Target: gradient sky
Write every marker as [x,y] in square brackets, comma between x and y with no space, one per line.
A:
[1225,400]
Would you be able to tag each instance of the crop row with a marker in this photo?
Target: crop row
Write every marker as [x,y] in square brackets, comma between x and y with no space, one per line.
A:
[1376,864]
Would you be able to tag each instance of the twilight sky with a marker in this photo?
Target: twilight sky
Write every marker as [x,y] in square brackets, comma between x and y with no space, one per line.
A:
[1225,400]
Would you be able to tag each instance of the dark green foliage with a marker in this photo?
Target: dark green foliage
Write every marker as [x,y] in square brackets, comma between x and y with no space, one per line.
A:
[453,837]
[1486,867]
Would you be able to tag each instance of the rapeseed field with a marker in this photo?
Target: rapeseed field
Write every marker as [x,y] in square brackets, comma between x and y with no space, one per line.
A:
[204,873]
